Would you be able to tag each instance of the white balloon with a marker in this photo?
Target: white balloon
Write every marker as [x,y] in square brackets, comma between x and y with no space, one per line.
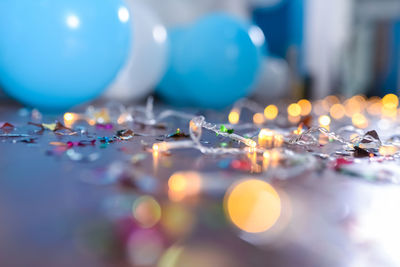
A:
[147,63]
[273,83]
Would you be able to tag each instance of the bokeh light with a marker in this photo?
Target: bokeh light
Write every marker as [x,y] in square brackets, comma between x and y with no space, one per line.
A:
[271,112]
[146,211]
[184,184]
[305,106]
[294,110]
[337,111]
[258,118]
[253,206]
[390,101]
[360,121]
[324,120]
[234,116]
[387,150]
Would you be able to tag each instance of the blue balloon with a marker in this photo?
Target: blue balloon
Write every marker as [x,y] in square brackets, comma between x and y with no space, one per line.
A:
[213,63]
[55,54]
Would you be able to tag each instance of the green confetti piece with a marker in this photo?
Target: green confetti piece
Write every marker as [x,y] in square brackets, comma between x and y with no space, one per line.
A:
[223,129]
[223,144]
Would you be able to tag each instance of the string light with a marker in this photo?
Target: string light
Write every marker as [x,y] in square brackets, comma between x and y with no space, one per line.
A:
[324,120]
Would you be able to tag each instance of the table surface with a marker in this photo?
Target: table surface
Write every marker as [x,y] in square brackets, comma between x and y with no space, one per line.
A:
[54,214]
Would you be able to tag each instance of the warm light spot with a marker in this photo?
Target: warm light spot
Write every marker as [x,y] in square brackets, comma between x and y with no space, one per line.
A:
[387,150]
[102,116]
[352,107]
[265,138]
[184,184]
[337,111]
[278,140]
[390,101]
[250,143]
[294,119]
[177,182]
[253,206]
[305,106]
[375,107]
[258,118]
[271,112]
[324,120]
[389,111]
[69,116]
[146,211]
[160,34]
[73,21]
[123,14]
[155,148]
[234,116]
[271,158]
[359,120]
[160,147]
[294,110]
[299,129]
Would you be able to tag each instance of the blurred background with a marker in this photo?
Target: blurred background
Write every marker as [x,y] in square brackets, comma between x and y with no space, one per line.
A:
[314,48]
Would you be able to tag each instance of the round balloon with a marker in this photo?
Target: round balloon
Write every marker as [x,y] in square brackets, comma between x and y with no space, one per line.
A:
[213,63]
[57,54]
[147,61]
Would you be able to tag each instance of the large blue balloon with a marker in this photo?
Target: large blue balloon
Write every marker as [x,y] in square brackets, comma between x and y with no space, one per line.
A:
[55,54]
[213,63]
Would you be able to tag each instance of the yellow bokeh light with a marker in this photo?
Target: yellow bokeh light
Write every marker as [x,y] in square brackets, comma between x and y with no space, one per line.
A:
[294,110]
[258,118]
[271,112]
[146,211]
[69,116]
[337,111]
[184,184]
[254,206]
[389,111]
[324,120]
[352,106]
[390,101]
[387,150]
[359,120]
[305,106]
[234,116]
